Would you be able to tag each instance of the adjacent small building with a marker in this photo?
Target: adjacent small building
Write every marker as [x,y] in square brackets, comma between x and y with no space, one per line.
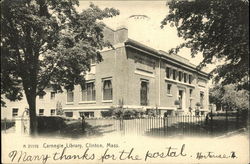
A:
[133,75]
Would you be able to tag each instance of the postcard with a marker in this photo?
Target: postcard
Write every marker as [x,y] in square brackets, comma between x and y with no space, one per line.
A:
[124,82]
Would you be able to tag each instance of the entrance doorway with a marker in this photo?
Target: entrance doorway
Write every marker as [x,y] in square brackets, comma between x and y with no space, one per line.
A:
[181,98]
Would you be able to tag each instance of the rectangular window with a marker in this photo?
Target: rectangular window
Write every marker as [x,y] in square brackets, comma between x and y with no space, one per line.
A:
[174,74]
[185,77]
[169,88]
[87,114]
[168,72]
[93,61]
[70,96]
[52,95]
[144,93]
[191,103]
[14,112]
[107,89]
[190,92]
[69,114]
[52,112]
[88,93]
[41,112]
[40,96]
[190,79]
[202,99]
[180,76]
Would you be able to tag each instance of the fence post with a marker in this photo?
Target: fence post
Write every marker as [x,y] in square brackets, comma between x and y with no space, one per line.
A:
[83,120]
[226,120]
[5,124]
[237,118]
[164,123]
[211,124]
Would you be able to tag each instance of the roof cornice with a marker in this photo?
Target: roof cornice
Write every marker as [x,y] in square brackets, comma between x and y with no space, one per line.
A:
[158,54]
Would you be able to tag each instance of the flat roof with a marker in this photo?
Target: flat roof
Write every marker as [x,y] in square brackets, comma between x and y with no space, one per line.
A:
[177,59]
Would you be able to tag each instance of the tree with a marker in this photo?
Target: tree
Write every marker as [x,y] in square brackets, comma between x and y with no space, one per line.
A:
[229,97]
[47,43]
[219,29]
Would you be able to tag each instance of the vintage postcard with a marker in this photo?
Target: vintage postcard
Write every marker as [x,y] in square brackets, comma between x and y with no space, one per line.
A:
[125,81]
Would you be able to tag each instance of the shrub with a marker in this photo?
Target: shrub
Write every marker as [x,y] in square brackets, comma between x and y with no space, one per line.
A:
[198,104]
[118,112]
[6,124]
[177,102]
[150,112]
[107,113]
[50,124]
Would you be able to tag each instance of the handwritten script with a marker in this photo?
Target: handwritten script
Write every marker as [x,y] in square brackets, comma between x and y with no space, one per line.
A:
[88,154]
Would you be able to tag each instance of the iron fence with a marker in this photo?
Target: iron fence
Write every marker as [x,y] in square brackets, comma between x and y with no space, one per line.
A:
[185,125]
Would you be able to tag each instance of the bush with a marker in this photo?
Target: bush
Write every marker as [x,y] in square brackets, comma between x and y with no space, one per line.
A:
[118,112]
[151,112]
[107,113]
[50,124]
[198,104]
[6,124]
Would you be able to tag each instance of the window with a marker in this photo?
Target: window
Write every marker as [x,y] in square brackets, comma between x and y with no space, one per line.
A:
[169,88]
[70,96]
[87,114]
[52,95]
[180,76]
[88,93]
[190,92]
[69,114]
[52,112]
[92,61]
[168,72]
[202,99]
[107,90]
[14,112]
[144,93]
[191,103]
[181,98]
[40,96]
[41,112]
[174,74]
[185,77]
[190,79]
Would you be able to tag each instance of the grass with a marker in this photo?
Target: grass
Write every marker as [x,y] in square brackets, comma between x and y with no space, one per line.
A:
[219,126]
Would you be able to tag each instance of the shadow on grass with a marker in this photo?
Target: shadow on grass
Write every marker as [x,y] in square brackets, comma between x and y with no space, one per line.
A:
[74,129]
[7,124]
[215,128]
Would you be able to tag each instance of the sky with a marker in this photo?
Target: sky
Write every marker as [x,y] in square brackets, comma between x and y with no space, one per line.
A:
[145,30]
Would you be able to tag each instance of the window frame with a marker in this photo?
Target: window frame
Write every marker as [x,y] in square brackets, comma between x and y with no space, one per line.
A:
[174,74]
[84,98]
[41,97]
[103,81]
[190,79]
[16,112]
[191,92]
[51,112]
[169,90]
[147,95]
[39,113]
[180,76]
[67,97]
[185,77]
[168,72]
[52,97]
[202,99]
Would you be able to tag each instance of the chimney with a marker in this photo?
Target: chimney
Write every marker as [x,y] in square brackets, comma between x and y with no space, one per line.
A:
[119,35]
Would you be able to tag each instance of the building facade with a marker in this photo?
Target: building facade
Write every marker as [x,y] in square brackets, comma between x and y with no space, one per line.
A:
[131,74]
